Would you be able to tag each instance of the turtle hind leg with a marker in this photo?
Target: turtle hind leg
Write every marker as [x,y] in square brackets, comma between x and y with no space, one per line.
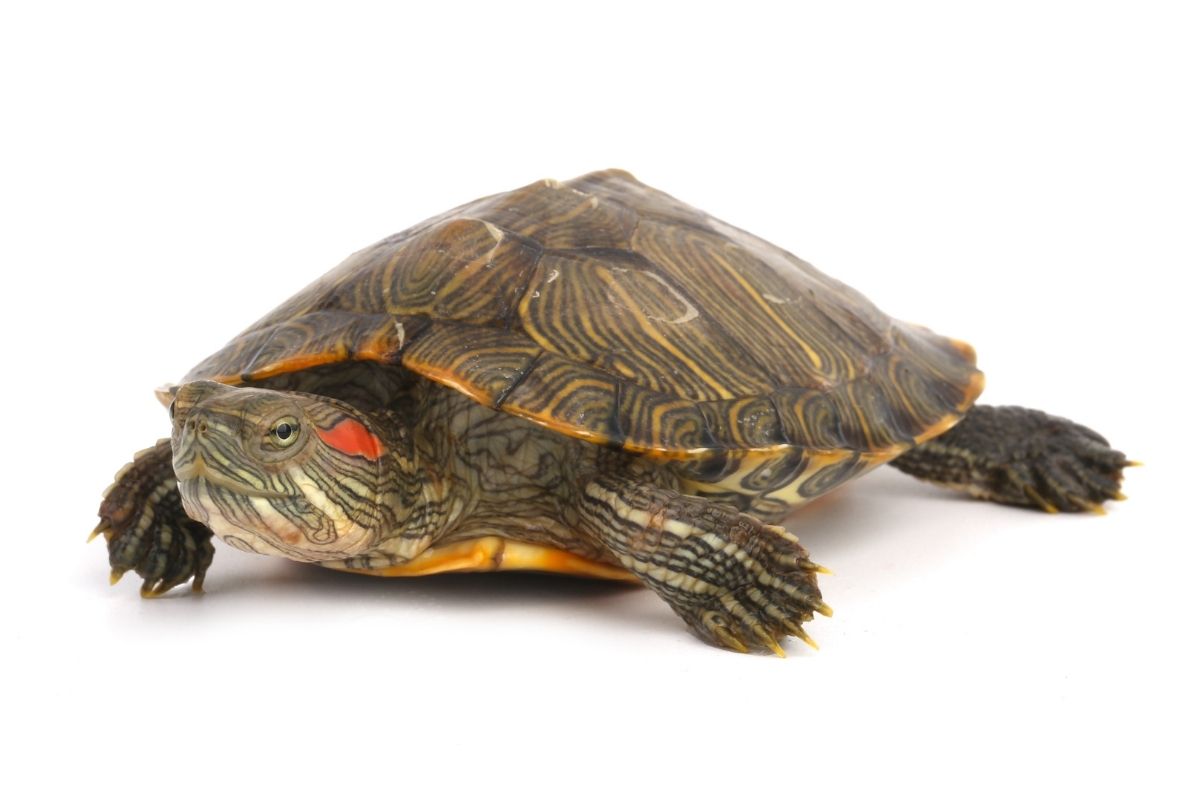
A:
[738,583]
[1022,457]
[147,530]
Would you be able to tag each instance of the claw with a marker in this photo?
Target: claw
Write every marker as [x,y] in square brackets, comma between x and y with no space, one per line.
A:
[1132,463]
[1046,505]
[104,526]
[730,641]
[811,566]
[153,588]
[795,630]
[821,608]
[114,577]
[1087,505]
[808,640]
[768,641]
[1119,496]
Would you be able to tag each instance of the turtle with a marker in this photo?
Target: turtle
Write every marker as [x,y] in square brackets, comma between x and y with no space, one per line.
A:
[587,377]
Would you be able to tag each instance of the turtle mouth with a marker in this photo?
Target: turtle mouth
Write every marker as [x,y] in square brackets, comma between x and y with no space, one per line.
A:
[242,488]
[241,519]
[267,522]
[199,473]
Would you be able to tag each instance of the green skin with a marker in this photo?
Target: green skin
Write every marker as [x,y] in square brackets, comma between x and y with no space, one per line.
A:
[387,468]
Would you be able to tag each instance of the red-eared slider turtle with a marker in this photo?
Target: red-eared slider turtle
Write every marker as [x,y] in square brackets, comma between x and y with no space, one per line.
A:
[587,377]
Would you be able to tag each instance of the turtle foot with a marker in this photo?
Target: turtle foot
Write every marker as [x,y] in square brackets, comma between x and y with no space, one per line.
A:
[757,615]
[739,584]
[779,599]
[1074,469]
[147,530]
[1022,457]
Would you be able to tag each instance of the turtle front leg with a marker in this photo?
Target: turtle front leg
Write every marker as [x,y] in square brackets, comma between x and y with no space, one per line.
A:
[737,582]
[147,530]
[1022,457]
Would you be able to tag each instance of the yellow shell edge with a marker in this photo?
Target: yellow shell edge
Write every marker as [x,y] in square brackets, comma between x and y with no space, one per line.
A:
[493,554]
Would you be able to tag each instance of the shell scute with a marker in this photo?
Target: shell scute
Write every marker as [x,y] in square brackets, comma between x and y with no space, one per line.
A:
[750,423]
[622,316]
[652,421]
[607,310]
[560,217]
[484,363]
[569,397]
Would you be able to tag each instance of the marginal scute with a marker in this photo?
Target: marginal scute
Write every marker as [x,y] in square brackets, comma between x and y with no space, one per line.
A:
[652,421]
[484,363]
[314,339]
[829,476]
[570,398]
[607,310]
[774,474]
[745,423]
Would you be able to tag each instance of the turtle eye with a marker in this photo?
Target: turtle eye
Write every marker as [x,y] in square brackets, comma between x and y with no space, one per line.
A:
[285,431]
[171,411]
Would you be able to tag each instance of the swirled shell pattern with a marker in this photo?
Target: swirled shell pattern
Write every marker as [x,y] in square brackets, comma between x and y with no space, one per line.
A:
[607,310]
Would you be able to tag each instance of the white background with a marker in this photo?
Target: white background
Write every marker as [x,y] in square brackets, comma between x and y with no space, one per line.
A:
[1023,176]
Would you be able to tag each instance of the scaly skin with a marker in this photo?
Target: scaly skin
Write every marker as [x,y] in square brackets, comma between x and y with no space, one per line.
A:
[1019,456]
[455,471]
[473,472]
[738,583]
[148,531]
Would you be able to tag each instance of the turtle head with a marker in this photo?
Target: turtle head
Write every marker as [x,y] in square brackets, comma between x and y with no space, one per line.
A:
[280,473]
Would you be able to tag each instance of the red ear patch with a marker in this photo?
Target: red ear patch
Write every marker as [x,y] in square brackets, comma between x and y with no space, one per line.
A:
[352,438]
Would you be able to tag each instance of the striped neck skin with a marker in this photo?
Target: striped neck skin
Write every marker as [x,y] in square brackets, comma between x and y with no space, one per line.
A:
[285,473]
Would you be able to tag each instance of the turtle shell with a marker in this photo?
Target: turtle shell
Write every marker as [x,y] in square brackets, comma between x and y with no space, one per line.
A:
[607,310]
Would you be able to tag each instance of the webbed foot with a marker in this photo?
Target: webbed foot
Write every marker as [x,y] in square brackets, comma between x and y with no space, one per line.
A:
[738,583]
[1022,457]
[147,530]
